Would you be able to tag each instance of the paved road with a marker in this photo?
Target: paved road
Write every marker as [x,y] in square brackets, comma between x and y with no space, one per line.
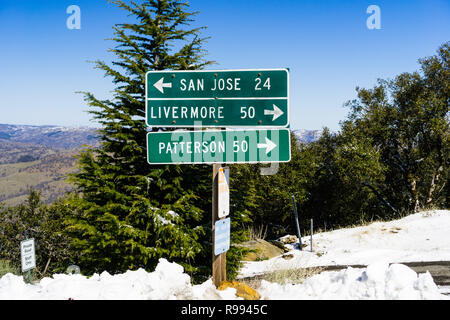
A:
[439,270]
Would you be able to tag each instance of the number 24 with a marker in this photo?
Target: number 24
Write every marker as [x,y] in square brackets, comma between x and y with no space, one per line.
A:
[265,85]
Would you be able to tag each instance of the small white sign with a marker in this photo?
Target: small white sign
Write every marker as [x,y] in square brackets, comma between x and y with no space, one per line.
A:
[224,192]
[221,236]
[28,256]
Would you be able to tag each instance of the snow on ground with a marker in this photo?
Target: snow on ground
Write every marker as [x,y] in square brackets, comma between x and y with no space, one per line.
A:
[419,237]
[378,281]
[167,282]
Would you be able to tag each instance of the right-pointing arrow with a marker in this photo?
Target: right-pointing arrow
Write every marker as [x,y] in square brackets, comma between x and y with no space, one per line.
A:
[269,145]
[276,112]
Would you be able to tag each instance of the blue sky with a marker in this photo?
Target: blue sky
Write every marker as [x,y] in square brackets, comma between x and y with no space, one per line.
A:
[325,44]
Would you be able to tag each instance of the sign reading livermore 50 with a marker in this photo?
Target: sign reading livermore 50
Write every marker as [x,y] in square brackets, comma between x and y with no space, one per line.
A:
[218,98]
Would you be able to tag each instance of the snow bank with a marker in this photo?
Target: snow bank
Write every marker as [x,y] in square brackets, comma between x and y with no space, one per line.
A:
[418,237]
[380,245]
[168,282]
[378,281]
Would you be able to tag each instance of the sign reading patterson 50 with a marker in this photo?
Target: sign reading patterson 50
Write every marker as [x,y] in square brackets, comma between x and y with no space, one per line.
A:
[218,98]
[219,146]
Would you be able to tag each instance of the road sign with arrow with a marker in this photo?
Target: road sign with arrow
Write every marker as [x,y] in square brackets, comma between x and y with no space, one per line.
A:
[218,98]
[160,85]
[219,146]
[224,99]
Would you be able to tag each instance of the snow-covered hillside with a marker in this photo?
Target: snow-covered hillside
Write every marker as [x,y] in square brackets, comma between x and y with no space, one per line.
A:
[419,237]
[49,136]
[74,137]
[423,236]
[307,136]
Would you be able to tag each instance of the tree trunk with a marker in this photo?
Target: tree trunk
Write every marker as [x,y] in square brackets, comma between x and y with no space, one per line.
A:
[433,184]
[415,194]
[379,196]
[46,266]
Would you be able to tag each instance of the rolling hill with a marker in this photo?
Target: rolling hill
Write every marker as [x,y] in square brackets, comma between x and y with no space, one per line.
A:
[55,137]
[41,157]
[46,174]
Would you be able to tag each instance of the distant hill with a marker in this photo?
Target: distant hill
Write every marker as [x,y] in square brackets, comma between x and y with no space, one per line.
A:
[49,136]
[42,156]
[307,136]
[46,174]
[39,157]
[57,137]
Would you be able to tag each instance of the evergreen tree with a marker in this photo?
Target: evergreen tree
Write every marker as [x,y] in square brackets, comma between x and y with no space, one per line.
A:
[43,223]
[128,214]
[407,120]
[275,191]
[265,200]
[322,188]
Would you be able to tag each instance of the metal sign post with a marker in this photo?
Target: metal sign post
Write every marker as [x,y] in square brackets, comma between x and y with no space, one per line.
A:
[296,223]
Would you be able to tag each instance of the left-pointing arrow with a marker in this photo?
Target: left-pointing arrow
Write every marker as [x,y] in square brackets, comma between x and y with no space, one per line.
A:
[160,85]
[269,145]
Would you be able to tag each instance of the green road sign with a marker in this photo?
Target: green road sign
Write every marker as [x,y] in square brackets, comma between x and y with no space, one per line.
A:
[218,98]
[219,146]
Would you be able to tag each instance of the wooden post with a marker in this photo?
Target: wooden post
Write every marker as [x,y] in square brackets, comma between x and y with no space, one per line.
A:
[218,262]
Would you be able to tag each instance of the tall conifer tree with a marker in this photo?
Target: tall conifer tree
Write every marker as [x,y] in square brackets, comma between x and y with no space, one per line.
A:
[128,213]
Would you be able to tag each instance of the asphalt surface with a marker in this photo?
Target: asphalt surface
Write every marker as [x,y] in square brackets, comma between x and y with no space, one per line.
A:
[439,270]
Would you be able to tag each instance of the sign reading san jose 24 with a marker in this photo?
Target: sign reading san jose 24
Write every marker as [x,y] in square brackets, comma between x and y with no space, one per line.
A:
[218,98]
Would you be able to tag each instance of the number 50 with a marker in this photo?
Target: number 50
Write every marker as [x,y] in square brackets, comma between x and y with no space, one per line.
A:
[247,112]
[240,146]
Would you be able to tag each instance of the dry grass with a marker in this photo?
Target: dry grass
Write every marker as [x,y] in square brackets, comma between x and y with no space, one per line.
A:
[6,267]
[294,276]
[46,175]
[257,232]
[285,276]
